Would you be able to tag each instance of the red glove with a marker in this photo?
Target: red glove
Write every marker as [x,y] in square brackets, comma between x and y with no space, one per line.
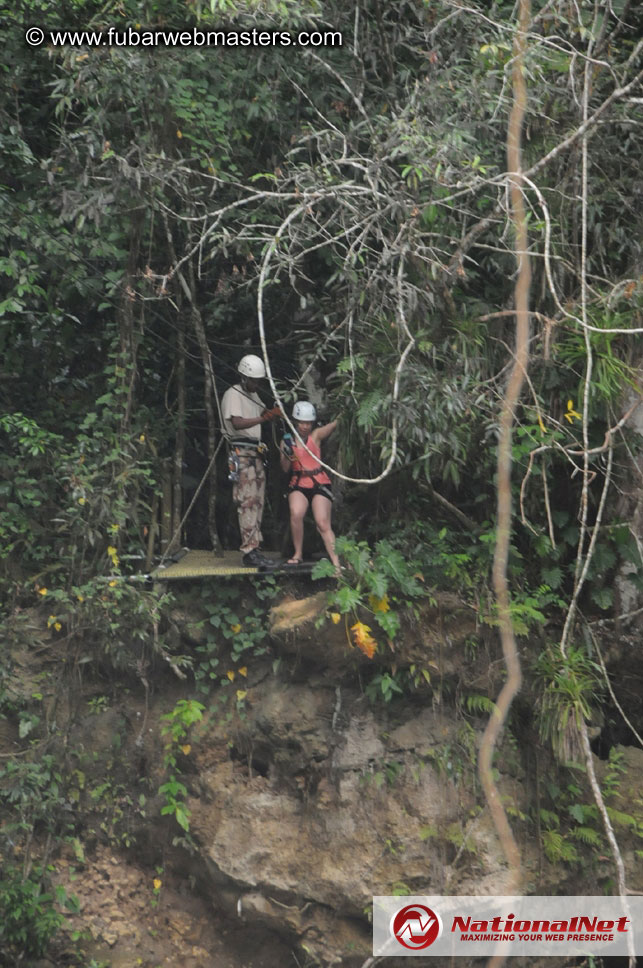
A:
[272,414]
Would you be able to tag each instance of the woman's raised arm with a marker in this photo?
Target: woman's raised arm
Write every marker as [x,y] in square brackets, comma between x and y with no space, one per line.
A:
[321,433]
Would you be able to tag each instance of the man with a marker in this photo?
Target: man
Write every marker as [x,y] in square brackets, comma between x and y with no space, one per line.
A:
[243,414]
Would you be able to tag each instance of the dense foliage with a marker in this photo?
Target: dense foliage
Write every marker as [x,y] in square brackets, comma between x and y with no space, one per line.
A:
[148,191]
[157,203]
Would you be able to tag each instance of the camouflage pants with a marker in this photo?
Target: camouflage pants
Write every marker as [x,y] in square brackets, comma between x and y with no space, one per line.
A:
[248,494]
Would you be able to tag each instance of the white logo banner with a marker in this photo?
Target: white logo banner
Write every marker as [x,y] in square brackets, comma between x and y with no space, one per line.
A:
[481,926]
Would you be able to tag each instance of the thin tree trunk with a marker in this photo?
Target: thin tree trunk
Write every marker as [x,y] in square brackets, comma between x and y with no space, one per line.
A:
[166,506]
[197,320]
[128,337]
[152,533]
[209,410]
[179,444]
[503,527]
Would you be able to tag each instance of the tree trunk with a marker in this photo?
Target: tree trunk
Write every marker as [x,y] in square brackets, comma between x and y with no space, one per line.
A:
[197,320]
[179,444]
[209,410]
[166,507]
[128,337]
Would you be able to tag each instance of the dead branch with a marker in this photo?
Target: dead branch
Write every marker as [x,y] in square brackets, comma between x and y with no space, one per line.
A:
[609,433]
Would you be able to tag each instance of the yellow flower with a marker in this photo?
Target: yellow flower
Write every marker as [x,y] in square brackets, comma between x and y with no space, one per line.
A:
[236,629]
[186,749]
[81,500]
[363,639]
[112,551]
[42,591]
[113,584]
[57,626]
[81,598]
[179,134]
[541,424]
[241,694]
[142,438]
[571,413]
[51,620]
[230,675]
[243,671]
[335,616]
[157,883]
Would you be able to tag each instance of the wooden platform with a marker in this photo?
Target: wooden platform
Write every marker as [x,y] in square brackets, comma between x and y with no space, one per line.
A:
[204,564]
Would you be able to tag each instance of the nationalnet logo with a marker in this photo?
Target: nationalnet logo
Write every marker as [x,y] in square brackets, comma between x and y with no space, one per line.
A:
[517,926]
[416,926]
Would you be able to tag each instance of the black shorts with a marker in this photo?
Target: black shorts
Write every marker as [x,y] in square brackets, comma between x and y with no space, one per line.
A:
[310,492]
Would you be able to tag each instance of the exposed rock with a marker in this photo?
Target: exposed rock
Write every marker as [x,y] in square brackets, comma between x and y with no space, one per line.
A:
[433,641]
[311,799]
[336,816]
[193,629]
[180,930]
[296,614]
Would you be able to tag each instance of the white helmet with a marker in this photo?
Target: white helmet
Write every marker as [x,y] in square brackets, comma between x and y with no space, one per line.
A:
[252,366]
[303,410]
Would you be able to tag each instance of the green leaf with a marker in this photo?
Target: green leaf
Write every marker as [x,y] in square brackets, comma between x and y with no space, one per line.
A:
[183,816]
[323,569]
[553,576]
[603,597]
[576,811]
[346,599]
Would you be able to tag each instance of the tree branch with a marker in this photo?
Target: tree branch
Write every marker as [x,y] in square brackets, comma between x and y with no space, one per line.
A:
[507,417]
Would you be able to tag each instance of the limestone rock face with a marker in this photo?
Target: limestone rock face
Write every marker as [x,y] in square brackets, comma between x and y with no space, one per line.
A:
[339,816]
[324,800]
[318,794]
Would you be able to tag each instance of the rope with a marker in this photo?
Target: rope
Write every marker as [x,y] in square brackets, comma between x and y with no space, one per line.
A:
[192,502]
[398,370]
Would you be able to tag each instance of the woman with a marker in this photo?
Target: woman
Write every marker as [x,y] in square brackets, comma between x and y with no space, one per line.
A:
[309,483]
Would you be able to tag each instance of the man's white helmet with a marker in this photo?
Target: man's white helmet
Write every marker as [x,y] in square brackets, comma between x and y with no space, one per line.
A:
[252,366]
[303,410]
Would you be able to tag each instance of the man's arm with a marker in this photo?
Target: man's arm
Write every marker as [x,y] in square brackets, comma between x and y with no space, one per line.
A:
[242,423]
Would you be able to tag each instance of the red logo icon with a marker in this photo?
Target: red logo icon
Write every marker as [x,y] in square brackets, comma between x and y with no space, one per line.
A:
[416,926]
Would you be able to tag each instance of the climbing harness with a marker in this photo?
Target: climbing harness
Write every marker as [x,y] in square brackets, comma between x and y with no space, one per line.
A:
[311,492]
[305,472]
[240,450]
[297,475]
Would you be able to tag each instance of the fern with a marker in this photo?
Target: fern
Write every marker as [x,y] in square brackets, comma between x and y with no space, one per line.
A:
[479,704]
[621,819]
[549,819]
[587,835]
[557,848]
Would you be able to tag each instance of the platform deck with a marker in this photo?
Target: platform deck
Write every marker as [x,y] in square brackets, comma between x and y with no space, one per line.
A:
[204,564]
